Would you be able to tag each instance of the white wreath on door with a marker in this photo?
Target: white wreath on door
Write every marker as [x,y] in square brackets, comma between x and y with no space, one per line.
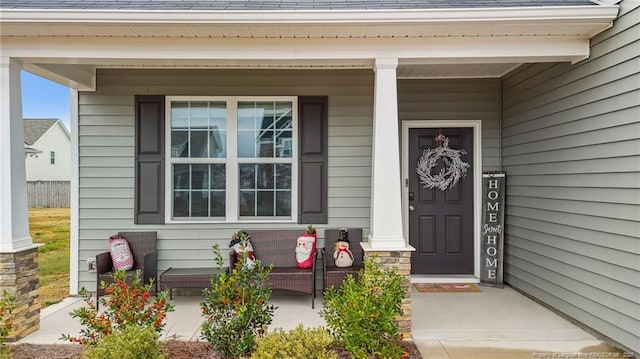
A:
[449,175]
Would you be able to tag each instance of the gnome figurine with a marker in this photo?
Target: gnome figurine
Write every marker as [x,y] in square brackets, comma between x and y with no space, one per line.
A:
[341,254]
[240,242]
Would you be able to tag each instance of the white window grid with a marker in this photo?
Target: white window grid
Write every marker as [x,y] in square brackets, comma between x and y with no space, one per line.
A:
[232,161]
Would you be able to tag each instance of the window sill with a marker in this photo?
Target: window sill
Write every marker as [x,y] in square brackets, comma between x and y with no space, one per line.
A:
[237,221]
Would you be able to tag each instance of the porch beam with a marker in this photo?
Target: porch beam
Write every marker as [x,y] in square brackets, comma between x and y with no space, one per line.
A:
[172,52]
[14,222]
[76,76]
[386,204]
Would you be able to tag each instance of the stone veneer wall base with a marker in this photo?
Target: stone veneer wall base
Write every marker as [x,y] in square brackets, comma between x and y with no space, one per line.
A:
[400,260]
[19,276]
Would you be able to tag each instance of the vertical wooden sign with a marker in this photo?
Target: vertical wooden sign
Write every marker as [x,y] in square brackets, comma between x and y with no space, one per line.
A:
[492,231]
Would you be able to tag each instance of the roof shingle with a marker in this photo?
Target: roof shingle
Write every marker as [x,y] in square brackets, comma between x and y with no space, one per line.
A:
[35,128]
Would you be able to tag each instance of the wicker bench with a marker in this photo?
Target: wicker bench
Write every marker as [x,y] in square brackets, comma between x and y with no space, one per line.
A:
[277,247]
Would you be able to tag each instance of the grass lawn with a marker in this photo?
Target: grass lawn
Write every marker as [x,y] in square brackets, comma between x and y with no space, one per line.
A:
[51,227]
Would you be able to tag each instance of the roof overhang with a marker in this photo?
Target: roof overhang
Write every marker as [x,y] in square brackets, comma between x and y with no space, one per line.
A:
[68,45]
[583,21]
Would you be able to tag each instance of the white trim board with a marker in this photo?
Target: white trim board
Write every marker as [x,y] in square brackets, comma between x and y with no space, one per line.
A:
[74,234]
[477,178]
[231,161]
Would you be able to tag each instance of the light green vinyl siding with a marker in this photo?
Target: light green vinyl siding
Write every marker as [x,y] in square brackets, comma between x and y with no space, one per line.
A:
[106,119]
[106,128]
[571,151]
[456,99]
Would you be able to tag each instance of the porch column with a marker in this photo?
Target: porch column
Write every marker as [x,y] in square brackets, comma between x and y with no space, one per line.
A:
[386,204]
[18,266]
[386,240]
[14,223]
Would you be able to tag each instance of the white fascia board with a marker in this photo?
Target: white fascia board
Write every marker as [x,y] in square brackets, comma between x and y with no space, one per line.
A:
[355,16]
[64,129]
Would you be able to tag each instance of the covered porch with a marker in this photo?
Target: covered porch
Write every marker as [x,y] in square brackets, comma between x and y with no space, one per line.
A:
[493,323]
[439,50]
[131,54]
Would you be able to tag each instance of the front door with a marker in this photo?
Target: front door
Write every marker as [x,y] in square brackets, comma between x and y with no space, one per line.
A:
[441,222]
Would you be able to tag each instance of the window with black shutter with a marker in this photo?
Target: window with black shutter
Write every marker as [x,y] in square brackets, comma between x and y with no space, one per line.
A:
[227,159]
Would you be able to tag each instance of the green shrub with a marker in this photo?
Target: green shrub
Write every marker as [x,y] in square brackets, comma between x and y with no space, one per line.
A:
[361,314]
[236,307]
[125,304]
[7,304]
[132,342]
[297,343]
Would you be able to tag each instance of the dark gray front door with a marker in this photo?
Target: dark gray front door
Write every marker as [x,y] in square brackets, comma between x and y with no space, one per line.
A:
[441,222]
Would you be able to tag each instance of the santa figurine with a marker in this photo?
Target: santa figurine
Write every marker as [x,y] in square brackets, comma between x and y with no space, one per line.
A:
[306,248]
[240,243]
[342,256]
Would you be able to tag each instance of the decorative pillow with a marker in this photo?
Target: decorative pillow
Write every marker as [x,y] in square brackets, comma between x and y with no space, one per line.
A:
[120,253]
[306,248]
[305,251]
[342,255]
[240,243]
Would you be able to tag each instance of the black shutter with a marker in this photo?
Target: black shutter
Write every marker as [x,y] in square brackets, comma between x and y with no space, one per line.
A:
[149,180]
[313,124]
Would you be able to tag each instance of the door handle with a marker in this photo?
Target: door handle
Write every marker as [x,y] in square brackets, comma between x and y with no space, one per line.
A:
[411,208]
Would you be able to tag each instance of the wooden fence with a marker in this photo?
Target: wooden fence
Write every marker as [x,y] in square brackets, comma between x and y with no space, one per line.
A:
[48,193]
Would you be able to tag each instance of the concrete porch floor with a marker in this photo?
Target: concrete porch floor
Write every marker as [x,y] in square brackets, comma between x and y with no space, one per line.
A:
[493,323]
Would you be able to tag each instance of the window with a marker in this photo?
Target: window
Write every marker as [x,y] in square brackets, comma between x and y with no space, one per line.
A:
[53,157]
[231,159]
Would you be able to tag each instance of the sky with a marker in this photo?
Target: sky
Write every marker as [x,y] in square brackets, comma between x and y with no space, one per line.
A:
[42,98]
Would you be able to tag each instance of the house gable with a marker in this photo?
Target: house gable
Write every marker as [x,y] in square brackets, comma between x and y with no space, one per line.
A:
[52,139]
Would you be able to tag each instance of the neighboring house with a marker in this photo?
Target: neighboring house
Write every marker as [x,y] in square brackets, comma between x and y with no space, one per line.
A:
[52,140]
[195,119]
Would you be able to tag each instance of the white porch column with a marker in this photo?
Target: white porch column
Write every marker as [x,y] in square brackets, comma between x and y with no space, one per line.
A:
[14,222]
[19,272]
[386,243]
[386,204]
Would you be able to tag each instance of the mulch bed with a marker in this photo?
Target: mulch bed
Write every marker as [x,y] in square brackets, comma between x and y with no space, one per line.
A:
[43,351]
[175,349]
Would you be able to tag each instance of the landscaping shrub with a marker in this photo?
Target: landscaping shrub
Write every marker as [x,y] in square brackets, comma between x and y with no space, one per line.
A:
[125,305]
[236,307]
[297,343]
[131,342]
[361,314]
[7,304]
